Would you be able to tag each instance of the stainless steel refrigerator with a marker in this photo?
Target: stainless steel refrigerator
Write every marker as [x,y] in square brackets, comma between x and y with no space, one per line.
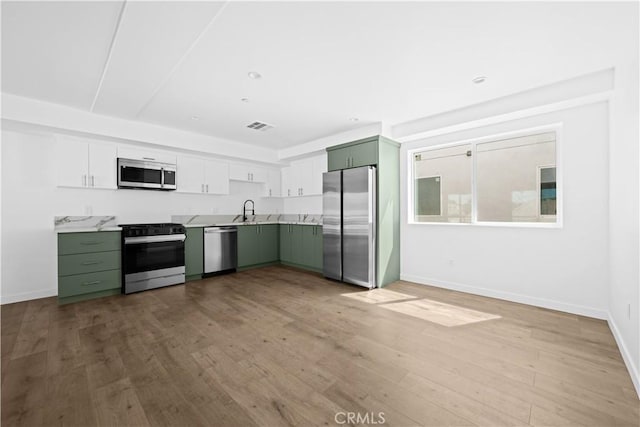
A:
[349,225]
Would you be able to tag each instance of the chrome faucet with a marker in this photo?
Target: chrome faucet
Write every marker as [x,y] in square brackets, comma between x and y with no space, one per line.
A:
[244,209]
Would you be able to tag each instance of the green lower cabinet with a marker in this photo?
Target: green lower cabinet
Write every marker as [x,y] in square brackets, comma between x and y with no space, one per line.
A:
[297,244]
[88,266]
[194,253]
[301,246]
[258,245]
[248,246]
[269,243]
[291,250]
[286,253]
[317,248]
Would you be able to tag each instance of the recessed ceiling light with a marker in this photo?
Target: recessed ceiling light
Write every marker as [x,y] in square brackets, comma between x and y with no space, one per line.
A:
[244,99]
[195,117]
[353,119]
[479,79]
[254,75]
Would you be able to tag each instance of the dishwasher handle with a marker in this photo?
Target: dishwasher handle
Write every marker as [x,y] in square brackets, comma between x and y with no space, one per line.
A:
[221,230]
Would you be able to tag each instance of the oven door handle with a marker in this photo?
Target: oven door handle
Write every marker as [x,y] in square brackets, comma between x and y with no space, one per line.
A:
[155,239]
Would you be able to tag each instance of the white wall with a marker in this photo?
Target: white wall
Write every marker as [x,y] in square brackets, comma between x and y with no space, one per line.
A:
[30,200]
[563,268]
[624,189]
[303,205]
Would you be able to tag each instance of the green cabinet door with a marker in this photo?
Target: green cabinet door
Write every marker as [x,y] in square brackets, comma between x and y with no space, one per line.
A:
[338,159]
[316,248]
[248,245]
[285,243]
[307,245]
[353,156]
[269,247]
[364,154]
[297,244]
[194,253]
[312,247]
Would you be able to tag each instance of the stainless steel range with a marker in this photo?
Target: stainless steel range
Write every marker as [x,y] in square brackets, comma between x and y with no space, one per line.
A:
[152,256]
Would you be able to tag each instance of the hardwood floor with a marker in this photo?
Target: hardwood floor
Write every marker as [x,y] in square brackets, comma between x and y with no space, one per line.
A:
[276,346]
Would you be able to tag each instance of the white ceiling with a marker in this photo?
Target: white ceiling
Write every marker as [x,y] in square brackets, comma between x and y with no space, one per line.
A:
[322,63]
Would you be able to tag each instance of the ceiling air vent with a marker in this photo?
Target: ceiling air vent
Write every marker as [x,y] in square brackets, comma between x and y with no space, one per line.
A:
[259,126]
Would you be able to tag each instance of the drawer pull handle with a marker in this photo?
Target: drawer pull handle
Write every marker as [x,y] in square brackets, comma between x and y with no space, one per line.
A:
[95,282]
[90,243]
[91,262]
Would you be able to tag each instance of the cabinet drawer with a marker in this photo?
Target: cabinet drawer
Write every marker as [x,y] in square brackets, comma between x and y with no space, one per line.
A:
[88,263]
[87,283]
[79,243]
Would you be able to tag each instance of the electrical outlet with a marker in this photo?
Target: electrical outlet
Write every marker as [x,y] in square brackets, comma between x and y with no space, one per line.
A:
[88,210]
[451,263]
[629,311]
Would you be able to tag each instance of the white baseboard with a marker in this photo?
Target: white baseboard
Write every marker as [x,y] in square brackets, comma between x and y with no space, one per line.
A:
[43,293]
[508,296]
[626,356]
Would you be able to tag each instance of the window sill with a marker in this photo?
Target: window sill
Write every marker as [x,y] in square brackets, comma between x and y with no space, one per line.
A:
[493,224]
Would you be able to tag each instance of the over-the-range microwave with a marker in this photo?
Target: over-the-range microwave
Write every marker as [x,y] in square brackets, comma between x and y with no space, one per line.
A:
[144,174]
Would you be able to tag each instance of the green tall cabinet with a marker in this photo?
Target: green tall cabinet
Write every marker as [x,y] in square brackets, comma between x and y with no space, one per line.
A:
[385,155]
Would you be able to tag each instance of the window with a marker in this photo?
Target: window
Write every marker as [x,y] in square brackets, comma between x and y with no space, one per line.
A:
[443,185]
[498,180]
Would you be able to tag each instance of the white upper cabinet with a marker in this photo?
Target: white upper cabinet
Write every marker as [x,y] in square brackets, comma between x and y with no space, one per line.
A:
[273,187]
[304,177]
[103,166]
[287,184]
[136,153]
[247,173]
[85,164]
[319,167]
[197,175]
[216,177]
[190,175]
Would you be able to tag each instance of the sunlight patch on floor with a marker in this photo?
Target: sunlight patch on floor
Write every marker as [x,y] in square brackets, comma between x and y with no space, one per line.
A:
[376,296]
[439,312]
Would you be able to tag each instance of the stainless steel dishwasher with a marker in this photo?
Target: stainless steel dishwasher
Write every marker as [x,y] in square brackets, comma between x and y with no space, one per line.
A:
[220,249]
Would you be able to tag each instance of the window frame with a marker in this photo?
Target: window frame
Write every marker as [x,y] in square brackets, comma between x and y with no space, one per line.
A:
[539,185]
[555,127]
